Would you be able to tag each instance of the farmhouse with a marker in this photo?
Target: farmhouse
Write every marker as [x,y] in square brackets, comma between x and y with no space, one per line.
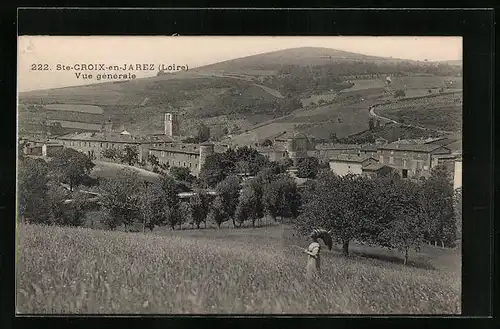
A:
[410,160]
[328,150]
[191,156]
[350,164]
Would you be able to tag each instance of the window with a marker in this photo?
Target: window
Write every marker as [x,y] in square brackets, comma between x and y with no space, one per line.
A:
[101,144]
[404,173]
[162,153]
[404,163]
[381,159]
[391,160]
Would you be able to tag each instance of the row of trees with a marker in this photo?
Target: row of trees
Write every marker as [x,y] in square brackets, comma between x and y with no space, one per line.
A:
[125,199]
[386,211]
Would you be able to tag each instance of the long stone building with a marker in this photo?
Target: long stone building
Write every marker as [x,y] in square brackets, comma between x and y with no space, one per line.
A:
[412,159]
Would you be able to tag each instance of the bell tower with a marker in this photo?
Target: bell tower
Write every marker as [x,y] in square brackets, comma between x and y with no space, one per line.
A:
[171,124]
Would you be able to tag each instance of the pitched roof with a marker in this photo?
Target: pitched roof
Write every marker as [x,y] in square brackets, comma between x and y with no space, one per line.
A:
[351,158]
[273,148]
[369,147]
[373,167]
[331,146]
[455,146]
[442,141]
[102,137]
[410,147]
[112,136]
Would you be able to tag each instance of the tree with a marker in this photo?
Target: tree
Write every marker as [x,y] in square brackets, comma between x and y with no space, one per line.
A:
[151,201]
[199,205]
[182,174]
[171,190]
[32,189]
[248,206]
[404,228]
[371,123]
[111,154]
[267,142]
[71,166]
[257,210]
[56,128]
[399,93]
[281,198]
[335,203]
[170,215]
[153,160]
[286,163]
[120,198]
[203,134]
[437,201]
[250,160]
[130,155]
[333,137]
[65,211]
[218,214]
[216,168]
[308,167]
[228,191]
[184,215]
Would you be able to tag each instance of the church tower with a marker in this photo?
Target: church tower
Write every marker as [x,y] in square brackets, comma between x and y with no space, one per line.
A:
[171,124]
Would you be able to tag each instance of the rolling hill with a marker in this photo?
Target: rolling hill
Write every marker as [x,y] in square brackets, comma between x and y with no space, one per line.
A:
[232,96]
[264,64]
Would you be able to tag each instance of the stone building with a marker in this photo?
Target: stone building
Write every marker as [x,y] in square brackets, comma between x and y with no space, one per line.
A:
[350,164]
[324,152]
[93,144]
[411,160]
[191,156]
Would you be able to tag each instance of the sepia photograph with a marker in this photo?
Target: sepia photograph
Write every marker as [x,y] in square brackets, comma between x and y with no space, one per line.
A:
[239,175]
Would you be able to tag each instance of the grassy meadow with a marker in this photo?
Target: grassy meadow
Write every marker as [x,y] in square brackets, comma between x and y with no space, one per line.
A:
[77,270]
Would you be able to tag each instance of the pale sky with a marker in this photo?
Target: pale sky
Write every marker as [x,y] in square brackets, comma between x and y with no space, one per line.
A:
[198,51]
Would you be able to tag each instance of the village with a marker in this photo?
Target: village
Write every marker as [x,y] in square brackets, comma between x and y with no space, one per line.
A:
[412,159]
[216,189]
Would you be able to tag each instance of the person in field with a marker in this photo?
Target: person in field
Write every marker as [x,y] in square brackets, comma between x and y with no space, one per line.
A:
[313,268]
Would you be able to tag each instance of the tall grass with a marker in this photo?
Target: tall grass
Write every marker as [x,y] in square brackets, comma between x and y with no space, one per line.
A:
[76,270]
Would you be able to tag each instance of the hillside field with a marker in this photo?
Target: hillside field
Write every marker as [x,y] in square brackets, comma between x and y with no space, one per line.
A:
[238,96]
[443,112]
[77,270]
